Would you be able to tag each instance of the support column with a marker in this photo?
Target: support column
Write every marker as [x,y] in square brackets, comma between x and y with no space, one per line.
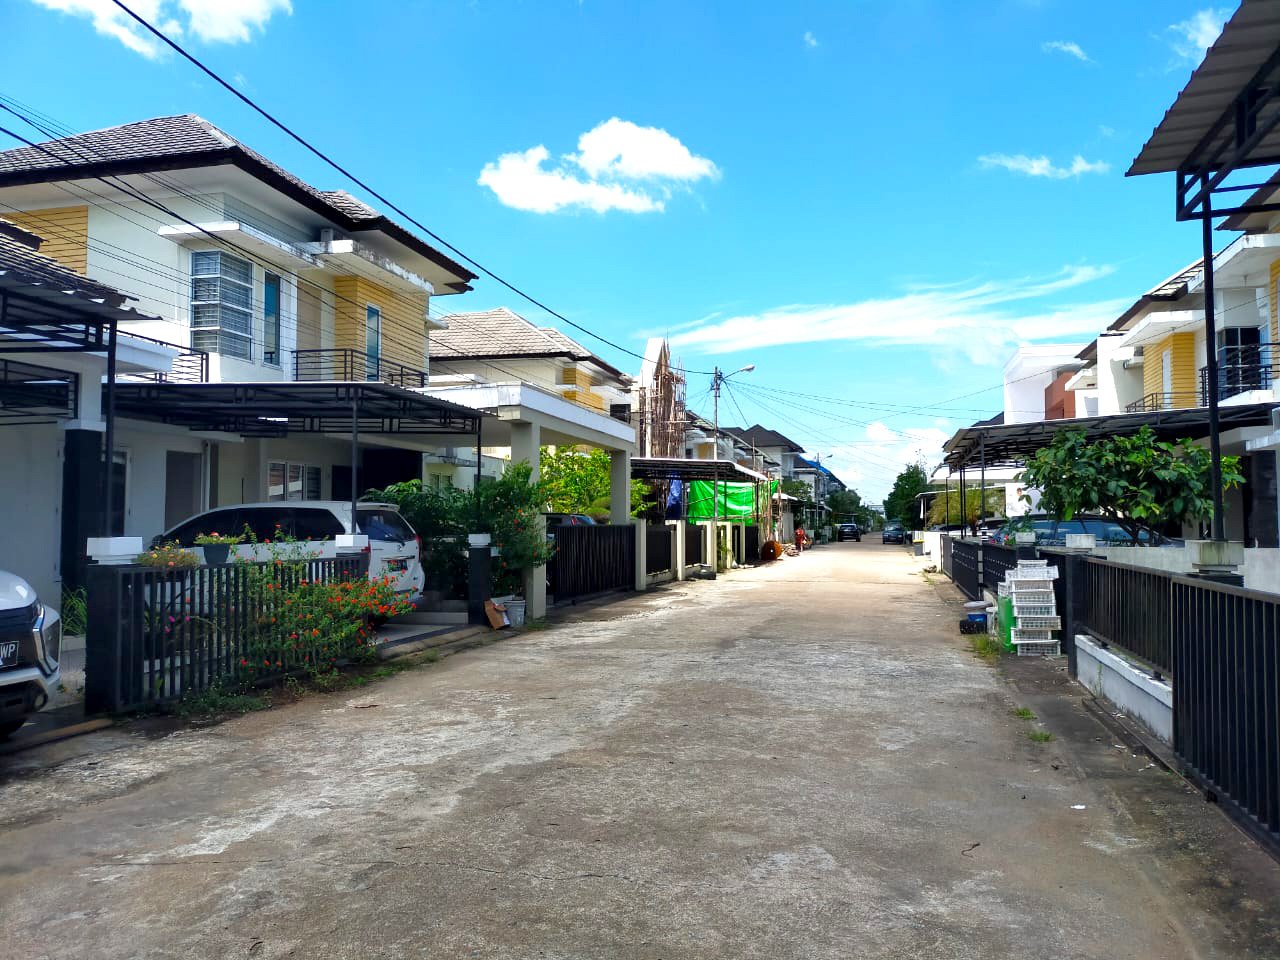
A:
[526,445]
[619,486]
[677,548]
[82,501]
[642,554]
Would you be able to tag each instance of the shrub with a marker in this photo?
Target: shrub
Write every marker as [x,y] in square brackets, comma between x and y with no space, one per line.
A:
[169,556]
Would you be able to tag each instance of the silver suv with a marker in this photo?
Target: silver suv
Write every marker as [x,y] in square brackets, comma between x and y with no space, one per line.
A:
[30,645]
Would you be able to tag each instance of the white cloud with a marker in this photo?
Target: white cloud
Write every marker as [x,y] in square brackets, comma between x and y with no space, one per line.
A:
[981,321]
[1042,166]
[1069,47]
[213,21]
[810,40]
[1193,36]
[619,166]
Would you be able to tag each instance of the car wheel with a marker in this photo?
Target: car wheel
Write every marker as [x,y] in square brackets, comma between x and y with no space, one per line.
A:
[10,727]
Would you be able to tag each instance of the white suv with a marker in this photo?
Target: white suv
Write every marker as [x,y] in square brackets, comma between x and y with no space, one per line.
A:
[30,645]
[395,550]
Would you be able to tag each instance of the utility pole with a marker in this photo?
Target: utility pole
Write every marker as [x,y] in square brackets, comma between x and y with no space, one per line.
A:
[718,377]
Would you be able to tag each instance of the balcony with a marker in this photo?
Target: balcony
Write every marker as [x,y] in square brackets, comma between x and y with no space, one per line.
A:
[352,366]
[1178,400]
[189,366]
[1241,370]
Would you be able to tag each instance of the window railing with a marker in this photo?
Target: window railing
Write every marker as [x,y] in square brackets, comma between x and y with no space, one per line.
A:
[354,365]
[1175,400]
[189,366]
[1242,369]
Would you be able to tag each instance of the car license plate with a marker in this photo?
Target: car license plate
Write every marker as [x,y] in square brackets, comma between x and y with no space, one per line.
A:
[8,652]
[398,565]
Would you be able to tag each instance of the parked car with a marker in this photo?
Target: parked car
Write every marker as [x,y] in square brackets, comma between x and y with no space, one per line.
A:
[1051,532]
[849,531]
[30,646]
[893,532]
[569,520]
[395,549]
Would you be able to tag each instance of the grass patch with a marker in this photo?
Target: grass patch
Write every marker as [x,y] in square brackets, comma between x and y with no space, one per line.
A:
[1023,713]
[218,702]
[430,656]
[1039,736]
[985,647]
[540,624]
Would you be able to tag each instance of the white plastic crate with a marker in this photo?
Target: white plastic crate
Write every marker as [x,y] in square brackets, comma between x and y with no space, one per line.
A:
[1029,622]
[1038,649]
[1033,564]
[1027,635]
[1041,588]
[1034,609]
[1033,573]
[1003,589]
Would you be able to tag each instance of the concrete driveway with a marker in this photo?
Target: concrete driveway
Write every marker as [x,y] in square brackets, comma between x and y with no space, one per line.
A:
[794,762]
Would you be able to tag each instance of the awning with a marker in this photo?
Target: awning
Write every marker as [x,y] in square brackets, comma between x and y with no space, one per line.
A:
[1010,444]
[680,468]
[1157,326]
[281,408]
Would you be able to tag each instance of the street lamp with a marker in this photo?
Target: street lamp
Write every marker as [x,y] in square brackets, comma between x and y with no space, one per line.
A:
[718,377]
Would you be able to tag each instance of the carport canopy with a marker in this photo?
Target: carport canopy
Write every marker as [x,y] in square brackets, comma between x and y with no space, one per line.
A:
[677,468]
[1010,444]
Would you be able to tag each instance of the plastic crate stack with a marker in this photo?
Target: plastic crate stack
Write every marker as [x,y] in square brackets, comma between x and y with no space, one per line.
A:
[1035,612]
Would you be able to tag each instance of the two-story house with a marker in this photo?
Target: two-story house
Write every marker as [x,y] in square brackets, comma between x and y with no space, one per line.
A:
[264,282]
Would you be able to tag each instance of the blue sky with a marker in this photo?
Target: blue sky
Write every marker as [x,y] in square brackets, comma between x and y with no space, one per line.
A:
[870,202]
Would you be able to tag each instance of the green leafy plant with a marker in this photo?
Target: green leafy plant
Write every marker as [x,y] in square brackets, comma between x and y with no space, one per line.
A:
[169,556]
[1140,482]
[75,611]
[946,507]
[442,518]
[900,504]
[1040,736]
[1023,713]
[578,481]
[219,539]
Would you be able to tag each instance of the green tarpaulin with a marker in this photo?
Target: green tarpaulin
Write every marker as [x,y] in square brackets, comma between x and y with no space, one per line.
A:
[739,502]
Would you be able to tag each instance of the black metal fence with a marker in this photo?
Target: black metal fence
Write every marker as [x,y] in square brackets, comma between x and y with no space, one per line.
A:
[658,549]
[694,546]
[751,543]
[157,635]
[1225,645]
[947,543]
[592,559]
[996,562]
[354,365]
[1128,607]
[964,567]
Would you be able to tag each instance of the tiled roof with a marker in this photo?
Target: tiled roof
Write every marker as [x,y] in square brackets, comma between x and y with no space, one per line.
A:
[173,143]
[502,332]
[764,437]
[20,258]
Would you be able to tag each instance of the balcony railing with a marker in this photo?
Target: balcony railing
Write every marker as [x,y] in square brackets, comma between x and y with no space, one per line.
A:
[354,365]
[1242,369]
[189,366]
[1178,400]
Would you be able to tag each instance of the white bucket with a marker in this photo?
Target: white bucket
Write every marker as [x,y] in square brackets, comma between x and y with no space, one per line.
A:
[515,612]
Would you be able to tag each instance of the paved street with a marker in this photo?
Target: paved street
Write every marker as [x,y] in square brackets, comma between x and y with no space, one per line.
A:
[801,761]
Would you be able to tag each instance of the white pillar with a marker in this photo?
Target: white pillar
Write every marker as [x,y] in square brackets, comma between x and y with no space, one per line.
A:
[619,486]
[526,445]
[642,553]
[677,548]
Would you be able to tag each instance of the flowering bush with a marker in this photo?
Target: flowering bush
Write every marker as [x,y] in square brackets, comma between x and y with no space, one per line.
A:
[169,556]
[305,625]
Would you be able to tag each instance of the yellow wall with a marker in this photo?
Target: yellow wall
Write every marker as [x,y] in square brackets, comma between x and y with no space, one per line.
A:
[404,331]
[65,231]
[1182,369]
[1271,297]
[587,398]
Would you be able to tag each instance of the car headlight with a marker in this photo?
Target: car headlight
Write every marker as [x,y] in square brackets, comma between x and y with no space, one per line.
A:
[46,632]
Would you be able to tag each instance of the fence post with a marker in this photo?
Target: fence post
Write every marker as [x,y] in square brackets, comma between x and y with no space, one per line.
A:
[102,639]
[677,548]
[479,576]
[642,554]
[1073,586]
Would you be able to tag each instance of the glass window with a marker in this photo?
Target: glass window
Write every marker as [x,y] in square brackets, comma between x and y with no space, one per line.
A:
[271,320]
[268,523]
[292,481]
[315,524]
[372,342]
[222,304]
[311,490]
[384,525]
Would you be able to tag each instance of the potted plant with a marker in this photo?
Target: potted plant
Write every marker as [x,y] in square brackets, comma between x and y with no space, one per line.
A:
[217,546]
[169,557]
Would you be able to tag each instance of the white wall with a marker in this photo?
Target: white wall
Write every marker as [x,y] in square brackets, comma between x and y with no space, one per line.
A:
[31,506]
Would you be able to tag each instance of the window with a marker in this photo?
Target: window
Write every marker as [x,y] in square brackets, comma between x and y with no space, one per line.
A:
[316,524]
[271,320]
[384,525]
[222,304]
[292,481]
[372,342]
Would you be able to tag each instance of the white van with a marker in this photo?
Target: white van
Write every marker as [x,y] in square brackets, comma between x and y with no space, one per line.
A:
[395,550]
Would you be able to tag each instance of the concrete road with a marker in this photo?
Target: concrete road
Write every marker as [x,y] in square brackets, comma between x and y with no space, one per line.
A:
[794,762]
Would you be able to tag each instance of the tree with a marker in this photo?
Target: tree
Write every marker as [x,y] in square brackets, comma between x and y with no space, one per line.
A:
[798,489]
[900,504]
[578,482]
[1138,481]
[946,507]
[846,506]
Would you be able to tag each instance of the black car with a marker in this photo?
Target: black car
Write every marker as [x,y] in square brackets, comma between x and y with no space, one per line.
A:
[893,533]
[849,531]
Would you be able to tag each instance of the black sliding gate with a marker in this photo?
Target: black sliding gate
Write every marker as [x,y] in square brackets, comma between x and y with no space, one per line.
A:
[592,559]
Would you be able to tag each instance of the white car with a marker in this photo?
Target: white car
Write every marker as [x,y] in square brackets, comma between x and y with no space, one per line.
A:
[30,645]
[395,550]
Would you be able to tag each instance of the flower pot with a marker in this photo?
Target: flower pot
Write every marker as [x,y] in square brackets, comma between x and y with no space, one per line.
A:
[515,612]
[215,554]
